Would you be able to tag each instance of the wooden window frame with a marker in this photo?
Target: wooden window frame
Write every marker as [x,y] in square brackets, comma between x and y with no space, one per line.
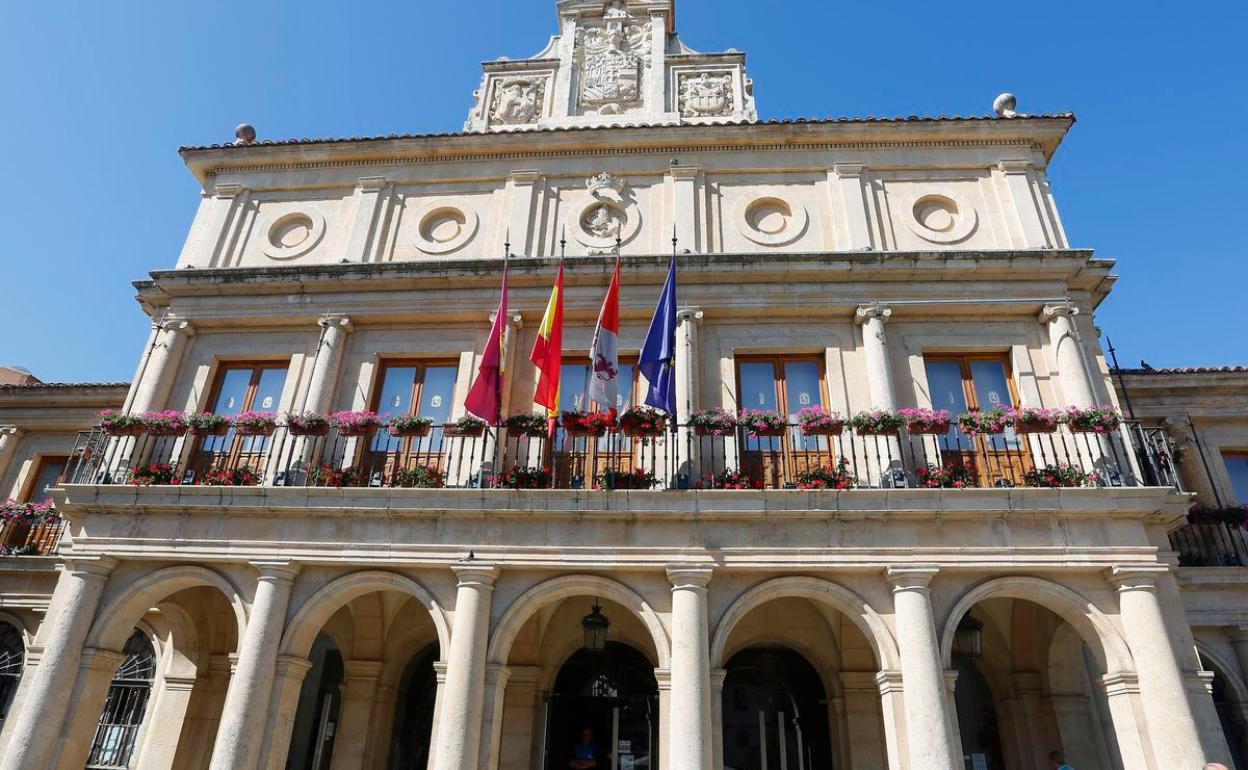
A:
[968,380]
[41,462]
[778,360]
[780,461]
[1233,454]
[258,367]
[404,454]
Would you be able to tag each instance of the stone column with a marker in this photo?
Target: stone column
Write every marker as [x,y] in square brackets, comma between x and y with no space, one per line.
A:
[153,384]
[351,735]
[515,728]
[663,676]
[37,725]
[463,696]
[691,670]
[688,359]
[717,716]
[325,367]
[927,723]
[95,674]
[1075,725]
[863,724]
[853,232]
[439,675]
[1072,364]
[241,732]
[167,717]
[872,319]
[951,706]
[9,437]
[288,682]
[1172,727]
[1122,697]
[496,678]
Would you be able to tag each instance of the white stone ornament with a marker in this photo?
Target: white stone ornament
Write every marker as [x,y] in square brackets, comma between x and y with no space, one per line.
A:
[517,101]
[705,95]
[292,235]
[939,217]
[444,226]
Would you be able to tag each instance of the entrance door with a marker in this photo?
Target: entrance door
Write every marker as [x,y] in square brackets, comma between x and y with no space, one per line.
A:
[775,714]
[604,709]
[970,384]
[786,385]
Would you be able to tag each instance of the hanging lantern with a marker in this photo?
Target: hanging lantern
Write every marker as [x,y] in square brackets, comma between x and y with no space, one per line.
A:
[968,640]
[595,626]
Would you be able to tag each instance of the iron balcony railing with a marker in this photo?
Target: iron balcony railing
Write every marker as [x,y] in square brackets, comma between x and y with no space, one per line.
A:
[679,459]
[1212,539]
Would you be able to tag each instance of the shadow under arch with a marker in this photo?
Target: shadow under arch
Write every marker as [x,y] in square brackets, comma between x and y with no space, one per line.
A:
[117,619]
[556,589]
[1107,645]
[1215,663]
[817,590]
[316,611]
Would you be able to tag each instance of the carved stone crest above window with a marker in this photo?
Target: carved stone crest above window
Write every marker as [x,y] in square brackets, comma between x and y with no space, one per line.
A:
[706,94]
[517,101]
[611,57]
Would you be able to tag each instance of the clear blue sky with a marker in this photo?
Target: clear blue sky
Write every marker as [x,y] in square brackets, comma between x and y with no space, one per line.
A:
[99,95]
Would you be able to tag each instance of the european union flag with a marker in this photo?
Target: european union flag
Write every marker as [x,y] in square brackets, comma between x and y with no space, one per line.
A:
[658,355]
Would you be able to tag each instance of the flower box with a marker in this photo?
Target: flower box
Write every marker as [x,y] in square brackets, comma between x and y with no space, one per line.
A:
[1027,427]
[307,425]
[118,424]
[255,423]
[1031,419]
[927,422]
[465,427]
[1095,419]
[817,421]
[409,431]
[527,426]
[879,422]
[165,423]
[586,424]
[643,422]
[713,422]
[204,424]
[763,423]
[991,422]
[355,424]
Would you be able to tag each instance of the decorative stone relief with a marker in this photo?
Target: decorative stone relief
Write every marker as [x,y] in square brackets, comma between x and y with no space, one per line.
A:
[770,220]
[517,101]
[606,212]
[705,94]
[443,227]
[292,235]
[611,57]
[939,217]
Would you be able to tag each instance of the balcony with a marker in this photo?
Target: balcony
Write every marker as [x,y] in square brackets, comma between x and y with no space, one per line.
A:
[1213,538]
[28,529]
[678,459]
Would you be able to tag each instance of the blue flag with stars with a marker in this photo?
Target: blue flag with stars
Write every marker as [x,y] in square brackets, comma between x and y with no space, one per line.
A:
[658,355]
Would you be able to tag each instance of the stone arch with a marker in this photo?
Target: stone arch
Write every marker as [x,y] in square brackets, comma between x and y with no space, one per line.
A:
[116,620]
[1094,626]
[560,588]
[317,610]
[819,591]
[27,631]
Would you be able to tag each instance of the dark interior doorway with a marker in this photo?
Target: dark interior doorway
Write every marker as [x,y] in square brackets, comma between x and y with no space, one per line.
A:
[775,712]
[413,713]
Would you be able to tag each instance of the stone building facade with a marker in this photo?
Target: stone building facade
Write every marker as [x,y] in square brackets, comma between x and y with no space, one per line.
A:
[306,601]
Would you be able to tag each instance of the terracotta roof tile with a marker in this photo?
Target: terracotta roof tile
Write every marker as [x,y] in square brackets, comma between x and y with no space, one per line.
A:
[64,385]
[1189,370]
[770,122]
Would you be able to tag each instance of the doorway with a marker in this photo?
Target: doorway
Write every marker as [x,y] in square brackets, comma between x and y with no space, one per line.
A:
[775,713]
[604,709]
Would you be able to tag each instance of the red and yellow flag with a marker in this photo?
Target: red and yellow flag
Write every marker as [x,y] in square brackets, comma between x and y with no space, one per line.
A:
[548,351]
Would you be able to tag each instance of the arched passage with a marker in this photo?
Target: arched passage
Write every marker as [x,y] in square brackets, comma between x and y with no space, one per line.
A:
[1230,698]
[1032,661]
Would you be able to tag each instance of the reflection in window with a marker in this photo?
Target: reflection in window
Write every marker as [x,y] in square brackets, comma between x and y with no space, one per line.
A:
[969,384]
[415,390]
[244,388]
[50,471]
[1237,470]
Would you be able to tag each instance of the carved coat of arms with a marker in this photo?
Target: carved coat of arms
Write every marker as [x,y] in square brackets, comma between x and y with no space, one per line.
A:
[706,94]
[611,59]
[517,101]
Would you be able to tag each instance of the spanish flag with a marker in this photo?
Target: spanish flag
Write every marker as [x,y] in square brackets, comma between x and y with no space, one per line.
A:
[548,351]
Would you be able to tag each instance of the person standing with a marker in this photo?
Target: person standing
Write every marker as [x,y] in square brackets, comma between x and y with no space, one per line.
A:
[1058,762]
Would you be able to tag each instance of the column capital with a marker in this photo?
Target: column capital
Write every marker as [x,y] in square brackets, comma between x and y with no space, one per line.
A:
[1074,705]
[951,679]
[227,190]
[371,183]
[1136,577]
[179,683]
[339,321]
[439,671]
[1051,313]
[516,321]
[690,314]
[177,326]
[95,567]
[481,576]
[860,681]
[693,577]
[497,675]
[876,311]
[663,677]
[96,659]
[848,169]
[522,675]
[717,678]
[1121,683]
[685,173]
[911,577]
[11,430]
[277,570]
[525,177]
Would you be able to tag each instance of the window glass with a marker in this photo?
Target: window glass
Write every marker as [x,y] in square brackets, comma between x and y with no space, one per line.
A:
[992,391]
[245,389]
[396,391]
[232,397]
[50,469]
[803,388]
[437,392]
[758,385]
[573,385]
[420,390]
[1237,469]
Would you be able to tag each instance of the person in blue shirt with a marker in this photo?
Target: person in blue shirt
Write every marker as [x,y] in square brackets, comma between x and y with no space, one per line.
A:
[585,753]
[1058,762]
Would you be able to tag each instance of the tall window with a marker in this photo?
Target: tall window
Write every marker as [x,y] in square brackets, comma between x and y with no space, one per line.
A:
[12,657]
[250,387]
[574,382]
[124,708]
[1237,469]
[973,383]
[49,471]
[786,384]
[417,389]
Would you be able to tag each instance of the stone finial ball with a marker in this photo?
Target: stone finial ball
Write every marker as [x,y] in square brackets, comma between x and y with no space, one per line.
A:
[1005,105]
[245,133]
